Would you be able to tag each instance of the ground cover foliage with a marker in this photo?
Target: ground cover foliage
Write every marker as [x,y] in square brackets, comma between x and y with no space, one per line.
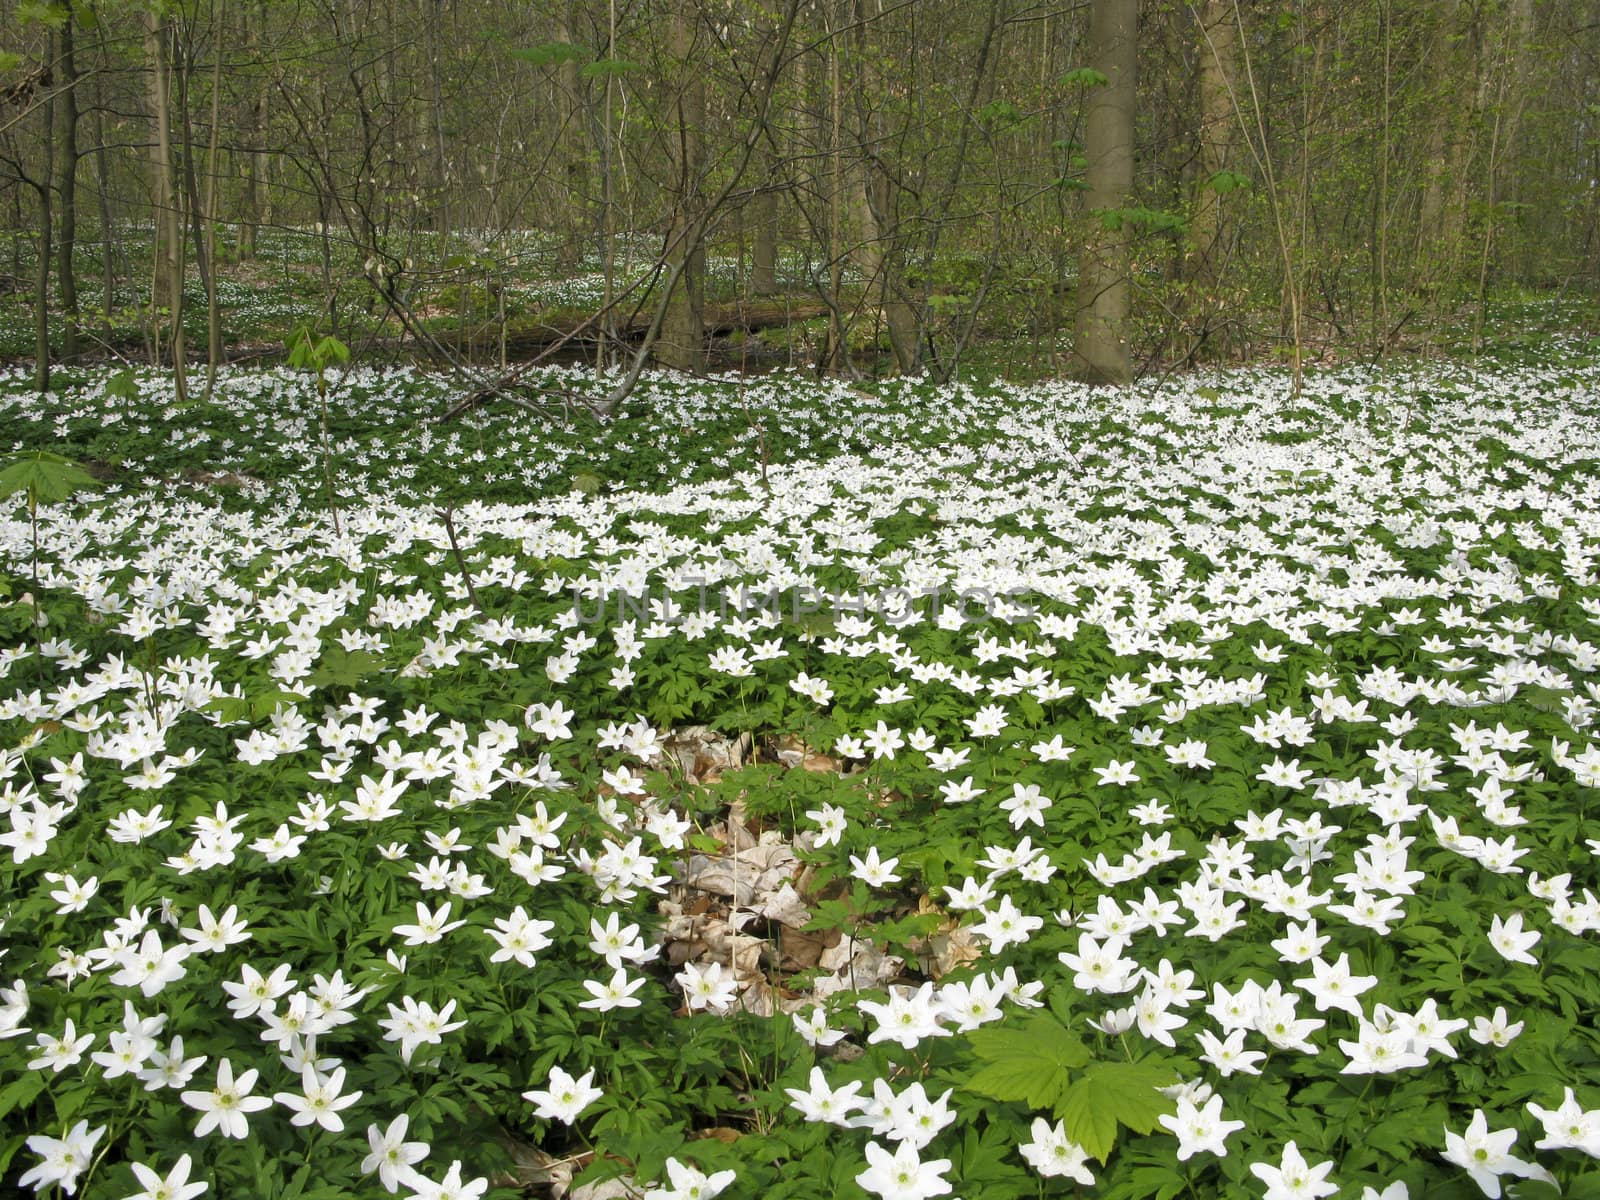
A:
[1183,790]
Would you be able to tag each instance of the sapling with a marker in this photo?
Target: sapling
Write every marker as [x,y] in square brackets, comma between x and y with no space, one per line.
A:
[318,355]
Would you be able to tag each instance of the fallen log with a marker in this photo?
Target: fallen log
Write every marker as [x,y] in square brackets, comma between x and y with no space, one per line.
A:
[527,340]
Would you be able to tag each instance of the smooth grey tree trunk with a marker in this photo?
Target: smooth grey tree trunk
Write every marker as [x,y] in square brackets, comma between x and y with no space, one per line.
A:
[1101,351]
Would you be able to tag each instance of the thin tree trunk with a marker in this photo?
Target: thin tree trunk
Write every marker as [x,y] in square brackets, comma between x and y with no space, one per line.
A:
[764,247]
[214,351]
[1216,61]
[169,216]
[254,128]
[682,342]
[108,241]
[68,188]
[441,164]
[1101,349]
[41,276]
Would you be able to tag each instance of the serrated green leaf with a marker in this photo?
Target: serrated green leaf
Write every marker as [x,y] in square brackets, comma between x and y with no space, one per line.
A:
[45,477]
[602,67]
[228,708]
[1084,77]
[122,386]
[550,54]
[1032,1064]
[345,668]
[1109,1094]
[21,1092]
[1583,1187]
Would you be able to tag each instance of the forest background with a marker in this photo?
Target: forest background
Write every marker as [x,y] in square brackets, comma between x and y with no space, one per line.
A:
[860,186]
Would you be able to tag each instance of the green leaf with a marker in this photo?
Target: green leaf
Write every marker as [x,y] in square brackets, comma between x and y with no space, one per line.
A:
[229,709]
[21,1092]
[999,112]
[1084,77]
[1031,1064]
[45,477]
[1147,220]
[550,54]
[1584,1187]
[39,12]
[122,386]
[603,67]
[1225,181]
[345,668]
[1109,1094]
[331,350]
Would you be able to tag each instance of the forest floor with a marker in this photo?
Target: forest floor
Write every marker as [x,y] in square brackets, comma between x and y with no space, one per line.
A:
[791,788]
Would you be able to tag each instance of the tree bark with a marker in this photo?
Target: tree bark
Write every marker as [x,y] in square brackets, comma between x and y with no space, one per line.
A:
[764,248]
[41,275]
[108,242]
[68,190]
[1101,351]
[255,123]
[169,215]
[682,343]
[1216,60]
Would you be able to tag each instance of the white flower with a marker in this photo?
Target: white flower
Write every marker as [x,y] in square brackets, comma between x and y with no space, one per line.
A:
[174,1185]
[392,1157]
[689,1183]
[1199,1128]
[226,1106]
[1294,1178]
[1486,1156]
[62,1160]
[321,1100]
[1052,1153]
[822,1103]
[1510,942]
[707,987]
[564,1098]
[902,1175]
[1568,1127]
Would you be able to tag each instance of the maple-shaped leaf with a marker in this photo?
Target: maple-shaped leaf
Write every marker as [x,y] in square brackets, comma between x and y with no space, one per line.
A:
[1109,1094]
[1032,1064]
[45,478]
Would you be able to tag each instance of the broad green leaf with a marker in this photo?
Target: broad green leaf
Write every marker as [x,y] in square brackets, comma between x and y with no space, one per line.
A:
[122,386]
[345,668]
[1109,1094]
[21,1092]
[603,67]
[1084,77]
[45,477]
[229,709]
[1225,181]
[1031,1064]
[331,350]
[551,54]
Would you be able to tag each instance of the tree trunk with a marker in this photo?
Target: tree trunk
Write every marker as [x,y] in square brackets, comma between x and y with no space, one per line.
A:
[41,275]
[1101,352]
[255,123]
[682,342]
[441,164]
[169,216]
[1217,121]
[214,349]
[577,129]
[108,242]
[880,263]
[764,249]
[881,254]
[68,185]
